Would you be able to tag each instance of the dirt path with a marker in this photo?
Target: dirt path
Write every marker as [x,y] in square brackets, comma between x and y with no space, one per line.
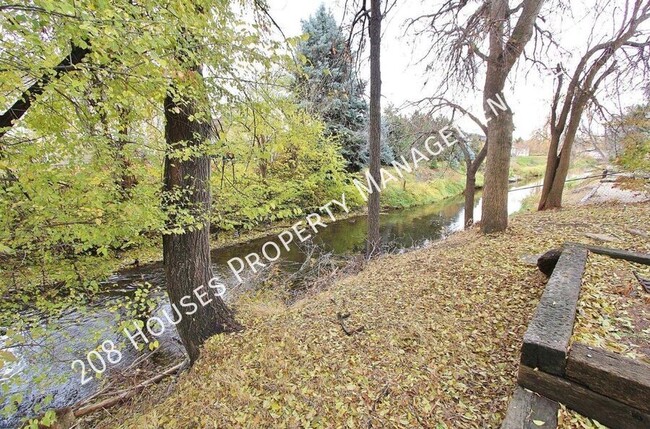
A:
[596,191]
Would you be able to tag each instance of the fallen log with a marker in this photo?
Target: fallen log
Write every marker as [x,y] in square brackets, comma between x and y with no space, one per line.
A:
[639,258]
[126,394]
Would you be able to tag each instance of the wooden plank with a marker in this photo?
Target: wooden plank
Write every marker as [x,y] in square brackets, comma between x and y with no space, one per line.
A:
[640,258]
[546,342]
[611,375]
[587,402]
[529,410]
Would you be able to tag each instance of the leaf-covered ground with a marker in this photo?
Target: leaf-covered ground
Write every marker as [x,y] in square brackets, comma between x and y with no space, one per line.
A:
[437,342]
[613,313]
[614,310]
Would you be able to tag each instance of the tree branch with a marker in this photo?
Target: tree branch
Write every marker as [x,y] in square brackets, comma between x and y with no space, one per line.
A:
[20,107]
[522,32]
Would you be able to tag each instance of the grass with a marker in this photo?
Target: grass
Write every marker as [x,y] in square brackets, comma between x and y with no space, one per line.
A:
[527,167]
[423,186]
[422,189]
[587,163]
[430,186]
[442,330]
[530,203]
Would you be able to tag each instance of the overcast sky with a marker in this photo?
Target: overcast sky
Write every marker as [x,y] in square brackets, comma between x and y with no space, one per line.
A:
[404,80]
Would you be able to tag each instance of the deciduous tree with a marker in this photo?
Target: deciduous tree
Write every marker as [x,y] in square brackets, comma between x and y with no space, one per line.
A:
[489,36]
[186,247]
[623,52]
[146,59]
[374,30]
[473,161]
[632,131]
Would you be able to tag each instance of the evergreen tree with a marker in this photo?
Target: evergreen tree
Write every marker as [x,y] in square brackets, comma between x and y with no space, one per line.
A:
[328,85]
[386,151]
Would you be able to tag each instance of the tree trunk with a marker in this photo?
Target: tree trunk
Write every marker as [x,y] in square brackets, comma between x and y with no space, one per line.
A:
[552,161]
[374,239]
[187,254]
[127,180]
[495,196]
[552,195]
[470,191]
[123,180]
[504,53]
[558,165]
[494,215]
[470,179]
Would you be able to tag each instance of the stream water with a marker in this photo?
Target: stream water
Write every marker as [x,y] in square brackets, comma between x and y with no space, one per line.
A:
[44,365]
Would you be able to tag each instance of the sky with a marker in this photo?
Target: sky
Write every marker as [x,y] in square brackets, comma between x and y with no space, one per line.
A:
[405,80]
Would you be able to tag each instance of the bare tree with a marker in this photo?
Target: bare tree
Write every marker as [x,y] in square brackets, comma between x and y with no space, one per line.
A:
[628,45]
[504,52]
[458,36]
[373,19]
[592,141]
[472,163]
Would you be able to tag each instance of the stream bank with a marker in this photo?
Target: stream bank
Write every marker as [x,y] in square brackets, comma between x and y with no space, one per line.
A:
[78,332]
[442,328]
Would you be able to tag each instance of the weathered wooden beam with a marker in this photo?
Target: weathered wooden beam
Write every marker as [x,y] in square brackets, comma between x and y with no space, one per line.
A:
[529,410]
[546,342]
[609,374]
[587,402]
[640,258]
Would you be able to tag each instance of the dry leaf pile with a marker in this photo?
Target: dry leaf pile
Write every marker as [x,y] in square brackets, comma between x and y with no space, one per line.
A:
[435,340]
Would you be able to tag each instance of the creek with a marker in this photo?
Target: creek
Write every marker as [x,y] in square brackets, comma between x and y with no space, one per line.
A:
[44,369]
